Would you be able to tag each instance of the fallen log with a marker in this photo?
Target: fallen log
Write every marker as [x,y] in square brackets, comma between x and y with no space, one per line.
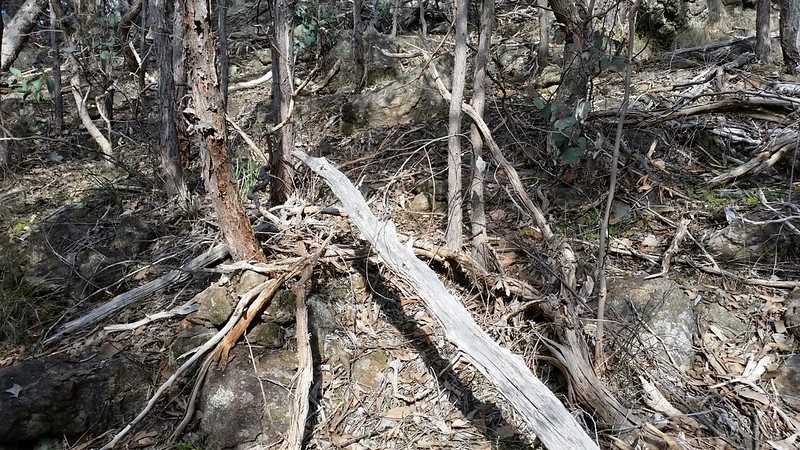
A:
[537,405]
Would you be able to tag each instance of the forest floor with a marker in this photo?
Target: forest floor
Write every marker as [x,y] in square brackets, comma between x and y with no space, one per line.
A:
[725,399]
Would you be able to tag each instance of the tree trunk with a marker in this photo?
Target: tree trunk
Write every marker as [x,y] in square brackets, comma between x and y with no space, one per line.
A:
[358,46]
[790,35]
[762,30]
[179,77]
[16,33]
[478,219]
[161,14]
[210,124]
[4,144]
[542,57]
[55,56]
[282,86]
[222,16]
[714,11]
[125,33]
[580,60]
[454,234]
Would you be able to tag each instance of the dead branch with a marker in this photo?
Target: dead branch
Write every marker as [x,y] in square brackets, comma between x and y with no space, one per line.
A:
[770,154]
[539,408]
[121,301]
[80,103]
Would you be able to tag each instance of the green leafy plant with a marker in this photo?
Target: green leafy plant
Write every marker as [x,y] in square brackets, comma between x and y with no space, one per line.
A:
[305,32]
[32,86]
[566,132]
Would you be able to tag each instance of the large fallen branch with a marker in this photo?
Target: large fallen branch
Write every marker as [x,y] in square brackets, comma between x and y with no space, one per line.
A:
[211,256]
[539,408]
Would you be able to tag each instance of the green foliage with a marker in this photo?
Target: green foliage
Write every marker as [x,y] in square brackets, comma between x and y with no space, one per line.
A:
[32,86]
[307,28]
[566,132]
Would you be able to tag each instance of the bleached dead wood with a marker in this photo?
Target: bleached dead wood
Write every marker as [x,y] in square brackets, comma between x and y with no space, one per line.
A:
[211,256]
[539,408]
[770,154]
[83,113]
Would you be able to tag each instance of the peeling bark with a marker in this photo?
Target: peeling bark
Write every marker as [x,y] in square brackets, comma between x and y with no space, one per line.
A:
[209,122]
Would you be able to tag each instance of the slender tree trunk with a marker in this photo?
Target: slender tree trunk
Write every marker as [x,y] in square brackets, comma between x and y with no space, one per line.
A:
[143,46]
[580,60]
[55,57]
[790,35]
[161,14]
[395,12]
[714,11]
[179,77]
[222,16]
[478,219]
[125,32]
[210,124]
[358,46]
[762,30]
[543,57]
[4,145]
[282,86]
[454,197]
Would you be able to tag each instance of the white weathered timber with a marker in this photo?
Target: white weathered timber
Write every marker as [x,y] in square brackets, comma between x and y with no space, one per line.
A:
[538,406]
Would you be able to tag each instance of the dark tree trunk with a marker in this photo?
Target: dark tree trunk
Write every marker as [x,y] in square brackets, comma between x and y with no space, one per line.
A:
[55,57]
[358,46]
[790,35]
[125,33]
[161,14]
[143,46]
[454,196]
[478,219]
[16,33]
[210,124]
[282,86]
[762,30]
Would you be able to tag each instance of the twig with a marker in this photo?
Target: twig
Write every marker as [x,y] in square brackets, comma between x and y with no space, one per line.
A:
[600,271]
[257,152]
[666,260]
[182,310]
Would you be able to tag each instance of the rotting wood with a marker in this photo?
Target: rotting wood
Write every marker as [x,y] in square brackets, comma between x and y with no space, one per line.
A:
[537,405]
[215,254]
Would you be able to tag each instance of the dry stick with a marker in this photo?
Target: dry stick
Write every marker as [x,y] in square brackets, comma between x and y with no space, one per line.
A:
[600,271]
[253,311]
[187,416]
[123,300]
[305,368]
[243,302]
[666,261]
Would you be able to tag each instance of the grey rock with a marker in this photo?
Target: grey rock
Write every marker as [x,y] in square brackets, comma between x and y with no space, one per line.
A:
[653,316]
